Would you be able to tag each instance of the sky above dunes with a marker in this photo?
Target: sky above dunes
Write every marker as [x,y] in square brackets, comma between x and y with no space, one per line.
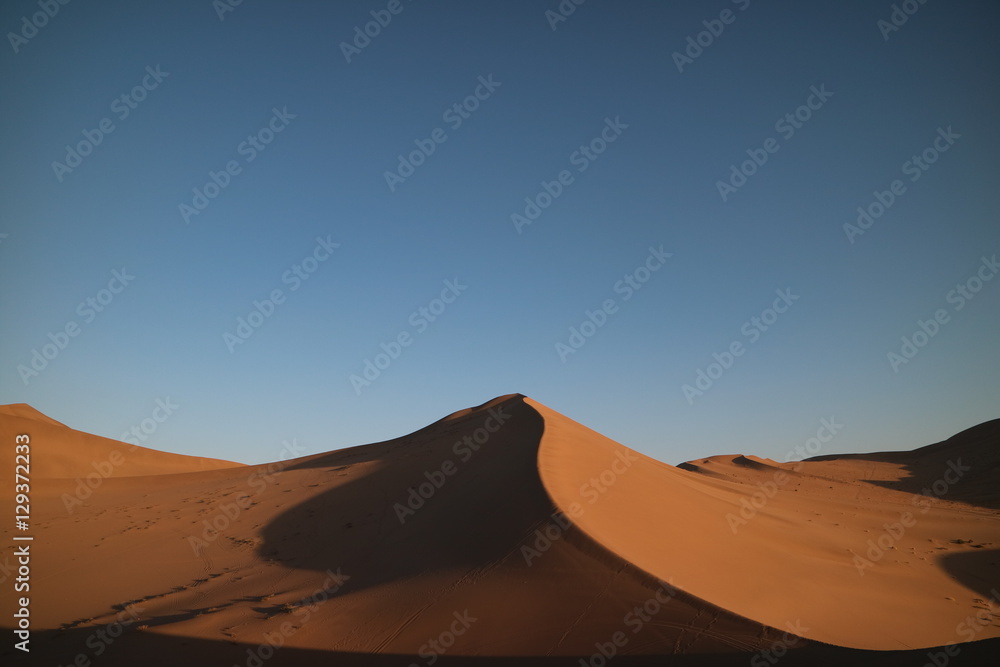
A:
[696,227]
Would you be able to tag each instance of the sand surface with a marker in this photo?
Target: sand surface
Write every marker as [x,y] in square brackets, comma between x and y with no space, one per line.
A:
[504,534]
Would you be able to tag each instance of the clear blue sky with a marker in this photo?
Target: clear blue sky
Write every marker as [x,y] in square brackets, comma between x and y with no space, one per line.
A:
[277,72]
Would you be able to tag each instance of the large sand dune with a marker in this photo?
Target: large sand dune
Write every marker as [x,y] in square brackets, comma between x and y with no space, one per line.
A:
[506,534]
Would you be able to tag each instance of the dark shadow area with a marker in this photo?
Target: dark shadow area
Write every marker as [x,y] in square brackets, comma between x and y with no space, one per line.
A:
[978,571]
[475,522]
[378,527]
[964,468]
[142,647]
[476,519]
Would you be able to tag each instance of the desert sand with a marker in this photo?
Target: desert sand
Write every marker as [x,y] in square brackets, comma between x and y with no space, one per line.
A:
[506,534]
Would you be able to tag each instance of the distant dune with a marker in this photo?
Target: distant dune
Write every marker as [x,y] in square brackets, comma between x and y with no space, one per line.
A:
[506,534]
[63,452]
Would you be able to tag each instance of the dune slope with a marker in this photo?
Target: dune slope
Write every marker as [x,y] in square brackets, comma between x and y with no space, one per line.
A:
[493,536]
[860,548]
[64,452]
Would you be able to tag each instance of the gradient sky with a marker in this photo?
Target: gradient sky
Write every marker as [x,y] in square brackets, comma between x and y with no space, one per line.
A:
[555,90]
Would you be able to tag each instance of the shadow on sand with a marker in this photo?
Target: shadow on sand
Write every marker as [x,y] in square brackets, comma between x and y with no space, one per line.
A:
[148,649]
[964,468]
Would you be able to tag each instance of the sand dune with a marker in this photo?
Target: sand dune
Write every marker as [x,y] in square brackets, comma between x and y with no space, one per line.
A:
[63,452]
[810,524]
[506,534]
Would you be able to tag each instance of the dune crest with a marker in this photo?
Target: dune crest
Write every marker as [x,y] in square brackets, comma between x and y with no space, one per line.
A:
[501,531]
[62,452]
[738,532]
